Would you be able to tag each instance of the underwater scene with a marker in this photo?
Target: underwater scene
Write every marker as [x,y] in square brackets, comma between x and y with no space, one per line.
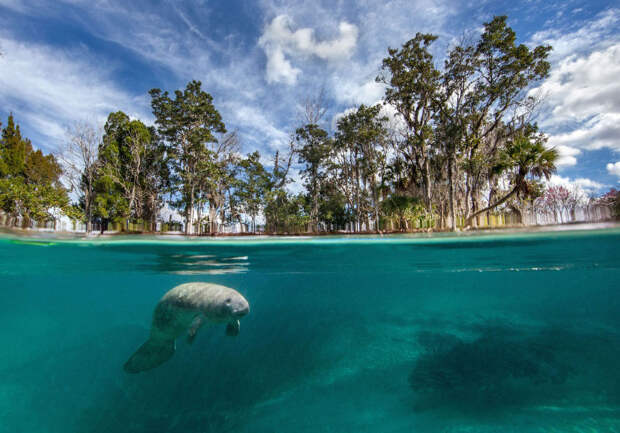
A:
[510,332]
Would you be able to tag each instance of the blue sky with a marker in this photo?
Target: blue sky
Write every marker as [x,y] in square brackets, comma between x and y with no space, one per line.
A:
[68,60]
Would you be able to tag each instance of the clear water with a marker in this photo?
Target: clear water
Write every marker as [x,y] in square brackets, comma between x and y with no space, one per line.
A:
[495,333]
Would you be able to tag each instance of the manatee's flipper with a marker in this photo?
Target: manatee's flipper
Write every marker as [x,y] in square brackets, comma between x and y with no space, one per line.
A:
[151,354]
[194,327]
[232,329]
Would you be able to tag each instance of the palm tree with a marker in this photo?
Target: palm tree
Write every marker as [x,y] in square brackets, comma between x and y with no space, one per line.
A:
[527,157]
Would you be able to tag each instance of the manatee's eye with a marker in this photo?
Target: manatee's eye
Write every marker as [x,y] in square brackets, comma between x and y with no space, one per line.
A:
[228,300]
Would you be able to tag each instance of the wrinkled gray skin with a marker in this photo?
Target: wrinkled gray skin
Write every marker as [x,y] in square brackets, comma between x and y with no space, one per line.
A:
[184,309]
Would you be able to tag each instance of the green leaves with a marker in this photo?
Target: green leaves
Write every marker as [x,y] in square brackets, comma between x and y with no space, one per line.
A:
[30,184]
[412,81]
[129,166]
[252,186]
[529,156]
[188,123]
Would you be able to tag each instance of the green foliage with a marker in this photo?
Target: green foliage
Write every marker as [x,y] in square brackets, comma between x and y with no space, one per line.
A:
[333,210]
[413,82]
[313,148]
[286,213]
[505,67]
[131,170]
[252,186]
[528,156]
[413,89]
[188,123]
[405,211]
[30,185]
[359,132]
[358,164]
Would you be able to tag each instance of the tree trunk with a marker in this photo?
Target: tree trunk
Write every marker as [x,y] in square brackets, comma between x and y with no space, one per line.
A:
[87,211]
[132,202]
[376,200]
[474,208]
[358,216]
[442,216]
[452,192]
[427,185]
[212,214]
[315,208]
[189,212]
[494,205]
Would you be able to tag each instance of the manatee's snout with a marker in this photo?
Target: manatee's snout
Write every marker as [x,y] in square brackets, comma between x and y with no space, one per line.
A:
[241,307]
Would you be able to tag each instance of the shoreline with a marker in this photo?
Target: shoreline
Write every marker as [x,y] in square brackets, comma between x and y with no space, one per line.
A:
[249,236]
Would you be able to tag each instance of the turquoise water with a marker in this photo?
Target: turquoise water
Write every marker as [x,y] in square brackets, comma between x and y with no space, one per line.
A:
[496,333]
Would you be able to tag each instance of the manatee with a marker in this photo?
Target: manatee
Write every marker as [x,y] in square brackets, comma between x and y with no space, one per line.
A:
[185,309]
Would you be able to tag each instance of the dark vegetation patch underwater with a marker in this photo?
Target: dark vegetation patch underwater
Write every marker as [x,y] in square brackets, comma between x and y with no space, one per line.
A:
[505,368]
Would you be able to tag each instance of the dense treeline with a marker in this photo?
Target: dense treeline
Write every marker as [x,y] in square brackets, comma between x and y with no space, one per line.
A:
[447,146]
[30,186]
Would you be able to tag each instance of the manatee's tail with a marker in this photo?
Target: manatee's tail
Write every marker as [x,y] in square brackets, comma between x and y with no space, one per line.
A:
[151,354]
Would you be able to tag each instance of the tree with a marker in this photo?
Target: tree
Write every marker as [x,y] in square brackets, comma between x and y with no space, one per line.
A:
[359,160]
[313,145]
[109,203]
[155,179]
[610,199]
[402,209]
[503,72]
[525,156]
[14,150]
[127,149]
[30,185]
[413,83]
[187,123]
[217,173]
[252,186]
[452,114]
[276,197]
[78,158]
[286,212]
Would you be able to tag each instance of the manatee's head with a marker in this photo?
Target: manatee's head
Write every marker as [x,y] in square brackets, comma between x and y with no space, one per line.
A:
[233,305]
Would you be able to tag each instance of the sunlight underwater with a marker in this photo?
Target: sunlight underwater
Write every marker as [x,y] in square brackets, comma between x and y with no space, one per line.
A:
[509,333]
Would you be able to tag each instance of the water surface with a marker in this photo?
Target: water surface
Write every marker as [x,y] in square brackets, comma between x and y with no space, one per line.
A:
[496,333]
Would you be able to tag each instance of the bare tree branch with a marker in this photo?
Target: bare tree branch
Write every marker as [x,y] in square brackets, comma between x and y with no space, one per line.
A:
[78,156]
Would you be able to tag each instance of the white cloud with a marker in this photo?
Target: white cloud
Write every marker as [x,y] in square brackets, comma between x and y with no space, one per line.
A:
[170,36]
[279,70]
[580,87]
[582,93]
[614,168]
[585,184]
[354,92]
[279,40]
[600,131]
[567,156]
[303,41]
[580,41]
[48,89]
